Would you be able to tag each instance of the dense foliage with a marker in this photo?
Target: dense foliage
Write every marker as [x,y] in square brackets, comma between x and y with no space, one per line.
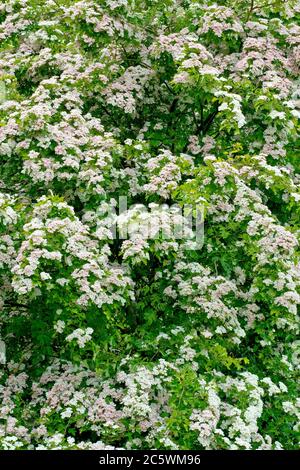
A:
[155,342]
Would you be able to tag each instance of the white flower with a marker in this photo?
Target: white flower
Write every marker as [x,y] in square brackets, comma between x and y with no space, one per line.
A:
[223,106]
[81,336]
[59,326]
[44,276]
[277,114]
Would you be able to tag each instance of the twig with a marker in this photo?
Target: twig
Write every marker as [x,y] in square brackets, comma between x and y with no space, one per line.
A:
[169,88]
[250,10]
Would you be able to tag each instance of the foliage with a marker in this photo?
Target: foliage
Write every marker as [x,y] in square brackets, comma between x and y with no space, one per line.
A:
[134,342]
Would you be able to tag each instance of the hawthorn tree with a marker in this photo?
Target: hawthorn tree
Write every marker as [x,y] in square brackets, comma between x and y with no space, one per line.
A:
[135,342]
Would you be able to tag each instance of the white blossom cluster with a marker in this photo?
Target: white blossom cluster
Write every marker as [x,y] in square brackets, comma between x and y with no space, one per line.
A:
[125,327]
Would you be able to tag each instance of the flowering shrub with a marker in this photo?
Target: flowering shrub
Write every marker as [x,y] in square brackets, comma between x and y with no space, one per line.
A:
[120,329]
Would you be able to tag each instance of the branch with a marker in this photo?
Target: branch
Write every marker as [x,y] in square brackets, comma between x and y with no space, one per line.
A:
[250,10]
[209,120]
[110,115]
[8,304]
[169,88]
[173,105]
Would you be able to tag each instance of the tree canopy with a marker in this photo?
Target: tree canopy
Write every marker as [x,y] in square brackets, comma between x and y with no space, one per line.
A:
[149,342]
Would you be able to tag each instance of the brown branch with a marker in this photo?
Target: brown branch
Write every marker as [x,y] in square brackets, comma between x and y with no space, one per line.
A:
[169,88]
[250,10]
